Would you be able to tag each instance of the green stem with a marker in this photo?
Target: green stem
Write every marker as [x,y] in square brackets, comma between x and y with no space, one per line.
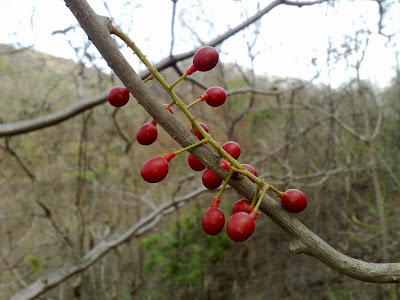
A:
[272,188]
[193,103]
[225,183]
[265,189]
[171,86]
[253,202]
[150,77]
[203,141]
[171,104]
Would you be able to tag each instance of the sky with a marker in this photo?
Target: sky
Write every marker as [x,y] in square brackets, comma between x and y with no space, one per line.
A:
[290,38]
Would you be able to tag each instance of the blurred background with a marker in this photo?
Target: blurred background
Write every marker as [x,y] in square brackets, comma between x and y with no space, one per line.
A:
[313,101]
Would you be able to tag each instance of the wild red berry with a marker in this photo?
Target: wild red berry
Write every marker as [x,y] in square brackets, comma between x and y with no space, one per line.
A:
[232,148]
[205,59]
[224,164]
[214,96]
[118,96]
[195,164]
[240,226]
[241,205]
[211,180]
[293,201]
[213,220]
[147,134]
[197,132]
[250,169]
[155,169]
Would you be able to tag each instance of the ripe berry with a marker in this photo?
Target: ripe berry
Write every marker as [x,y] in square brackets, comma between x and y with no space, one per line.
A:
[293,201]
[214,96]
[240,226]
[195,164]
[211,180]
[204,60]
[233,149]
[224,164]
[147,134]
[241,205]
[197,132]
[155,169]
[250,169]
[118,96]
[213,220]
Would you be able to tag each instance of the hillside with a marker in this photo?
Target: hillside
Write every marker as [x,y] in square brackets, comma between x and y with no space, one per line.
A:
[66,187]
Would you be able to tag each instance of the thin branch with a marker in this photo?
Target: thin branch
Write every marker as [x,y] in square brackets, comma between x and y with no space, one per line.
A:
[15,128]
[48,281]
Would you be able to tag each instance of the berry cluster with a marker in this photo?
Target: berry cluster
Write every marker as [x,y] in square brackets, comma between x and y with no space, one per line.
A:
[240,226]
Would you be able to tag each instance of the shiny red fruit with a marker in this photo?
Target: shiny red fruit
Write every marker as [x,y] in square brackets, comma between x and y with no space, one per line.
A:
[205,59]
[155,169]
[240,226]
[197,132]
[213,221]
[293,201]
[195,164]
[210,180]
[147,134]
[241,205]
[214,96]
[118,96]
[233,149]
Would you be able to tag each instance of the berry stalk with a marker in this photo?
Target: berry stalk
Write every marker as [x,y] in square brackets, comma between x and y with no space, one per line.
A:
[182,106]
[203,141]
[253,202]
[193,103]
[265,189]
[225,184]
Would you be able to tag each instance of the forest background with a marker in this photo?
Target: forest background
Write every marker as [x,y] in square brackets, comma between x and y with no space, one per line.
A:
[70,184]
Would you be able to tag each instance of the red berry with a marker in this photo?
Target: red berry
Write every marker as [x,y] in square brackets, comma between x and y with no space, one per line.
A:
[233,149]
[241,205]
[293,201]
[147,134]
[118,96]
[213,221]
[197,132]
[204,60]
[250,169]
[224,164]
[211,180]
[195,164]
[155,169]
[240,226]
[214,96]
